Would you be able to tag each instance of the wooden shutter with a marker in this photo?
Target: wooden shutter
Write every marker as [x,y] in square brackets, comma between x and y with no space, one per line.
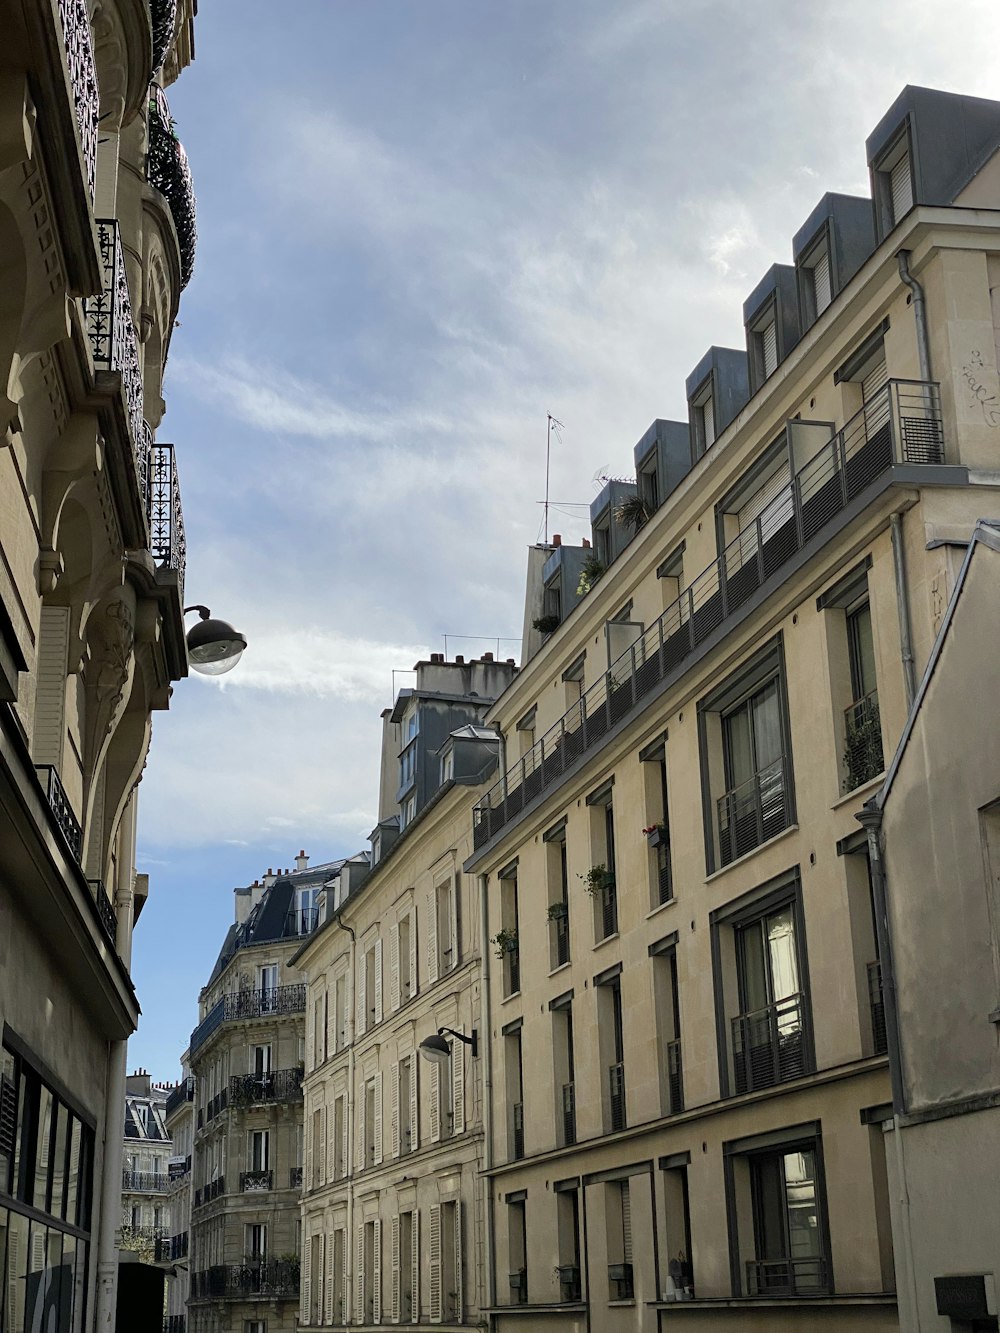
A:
[311,1061]
[362,977]
[362,1105]
[359,1277]
[708,420]
[394,1301]
[821,281]
[345,1144]
[415,1266]
[459,1280]
[377,1272]
[394,967]
[432,937]
[769,348]
[378,981]
[377,1155]
[331,1147]
[435,1263]
[50,686]
[320,1148]
[456,919]
[330,1283]
[457,1087]
[305,1309]
[901,186]
[309,1129]
[345,1245]
[394,1107]
[436,1104]
[413,953]
[626,1222]
[414,1103]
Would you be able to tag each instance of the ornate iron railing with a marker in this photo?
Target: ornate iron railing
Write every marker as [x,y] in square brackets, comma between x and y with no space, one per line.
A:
[211,1191]
[301,921]
[78,41]
[142,1238]
[184,1092]
[901,424]
[569,1114]
[173,1323]
[295,1177]
[169,171]
[863,757]
[616,1085]
[256,1182]
[105,909]
[517,1131]
[769,1044]
[62,811]
[249,1004]
[753,812]
[279,1085]
[876,1001]
[114,342]
[217,1104]
[167,542]
[144,1182]
[664,873]
[675,1078]
[163,16]
[256,1277]
[787,1277]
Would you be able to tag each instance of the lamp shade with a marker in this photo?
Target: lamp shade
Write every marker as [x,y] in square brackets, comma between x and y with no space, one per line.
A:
[435,1049]
[213,646]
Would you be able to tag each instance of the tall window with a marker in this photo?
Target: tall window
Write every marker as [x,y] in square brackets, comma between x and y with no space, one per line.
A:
[667,1003]
[863,756]
[618,1213]
[506,941]
[255,1242]
[600,879]
[517,1248]
[568,1227]
[564,1070]
[558,890]
[754,806]
[768,1034]
[788,1229]
[514,1075]
[612,1047]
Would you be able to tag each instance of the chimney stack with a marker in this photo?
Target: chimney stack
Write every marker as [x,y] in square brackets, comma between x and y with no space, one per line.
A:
[557,539]
[487,657]
[301,861]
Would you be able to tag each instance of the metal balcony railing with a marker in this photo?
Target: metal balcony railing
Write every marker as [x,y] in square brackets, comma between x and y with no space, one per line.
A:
[173,1323]
[769,1045]
[168,169]
[105,909]
[169,1248]
[863,758]
[569,1282]
[569,1113]
[607,898]
[616,1084]
[114,341]
[254,1182]
[163,16]
[167,540]
[62,811]
[144,1182]
[301,921]
[512,970]
[78,42]
[249,1004]
[787,1277]
[664,874]
[900,424]
[754,811]
[560,937]
[517,1131]
[880,1040]
[269,1278]
[184,1092]
[295,1177]
[278,1085]
[675,1078]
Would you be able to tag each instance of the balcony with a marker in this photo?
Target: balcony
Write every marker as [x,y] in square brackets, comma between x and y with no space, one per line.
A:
[211,1191]
[184,1092]
[900,425]
[517,1132]
[295,1177]
[114,342]
[169,1248]
[281,1085]
[173,1323]
[105,909]
[256,1182]
[163,16]
[787,1277]
[62,811]
[270,1279]
[169,172]
[144,1182]
[78,41]
[751,813]
[863,758]
[167,540]
[876,1002]
[142,1238]
[616,1089]
[301,921]
[675,1079]
[569,1114]
[216,1106]
[249,1004]
[769,1045]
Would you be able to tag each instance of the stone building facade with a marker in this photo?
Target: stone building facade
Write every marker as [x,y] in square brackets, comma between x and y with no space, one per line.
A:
[175,1248]
[145,1166]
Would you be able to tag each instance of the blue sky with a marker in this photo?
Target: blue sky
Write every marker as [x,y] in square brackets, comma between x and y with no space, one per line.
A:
[423,224]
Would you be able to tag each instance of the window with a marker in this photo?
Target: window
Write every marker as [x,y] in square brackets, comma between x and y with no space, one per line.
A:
[306,916]
[267,977]
[618,1214]
[443,945]
[893,182]
[679,1283]
[557,877]
[369,987]
[260,1059]
[816,288]
[612,1047]
[525,729]
[777,1202]
[514,1077]
[315,1275]
[405,1268]
[255,1242]
[407,812]
[260,1160]
[763,344]
[568,1232]
[254,1326]
[703,418]
[506,941]
[450,1262]
[657,824]
[340,1137]
[370,1122]
[368,1277]
[517,1248]
[340,1012]
[564,1069]
[318,1032]
[668,1036]
[407,767]
[317,1175]
[600,878]
[574,682]
[863,757]
[404,1106]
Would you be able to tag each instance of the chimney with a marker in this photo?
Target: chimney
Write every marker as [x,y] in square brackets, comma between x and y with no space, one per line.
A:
[487,657]
[459,660]
[511,662]
[557,539]
[586,543]
[301,861]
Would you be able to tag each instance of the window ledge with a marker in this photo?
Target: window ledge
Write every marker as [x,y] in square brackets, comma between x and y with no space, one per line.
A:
[859,792]
[514,995]
[663,907]
[562,967]
[741,860]
[607,940]
[621,1305]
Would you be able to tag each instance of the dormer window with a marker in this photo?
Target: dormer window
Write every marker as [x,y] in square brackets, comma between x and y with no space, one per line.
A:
[818,279]
[704,418]
[764,346]
[894,184]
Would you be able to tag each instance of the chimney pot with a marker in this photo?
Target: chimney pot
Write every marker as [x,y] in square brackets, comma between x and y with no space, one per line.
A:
[487,657]
[459,660]
[586,543]
[510,661]
[557,539]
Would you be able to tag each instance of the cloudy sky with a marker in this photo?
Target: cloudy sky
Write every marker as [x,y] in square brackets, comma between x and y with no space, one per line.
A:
[424,224]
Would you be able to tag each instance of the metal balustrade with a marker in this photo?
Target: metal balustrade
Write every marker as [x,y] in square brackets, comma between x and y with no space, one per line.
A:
[163,17]
[78,43]
[249,1004]
[607,898]
[62,811]
[901,424]
[255,1182]
[675,1079]
[145,1182]
[278,1085]
[616,1086]
[167,539]
[863,758]
[274,1278]
[105,909]
[756,810]
[569,1113]
[295,1177]
[517,1131]
[769,1045]
[184,1092]
[787,1277]
[169,171]
[876,1001]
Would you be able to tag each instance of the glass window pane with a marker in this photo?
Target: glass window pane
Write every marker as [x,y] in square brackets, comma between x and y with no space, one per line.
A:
[781,954]
[769,1208]
[803,1214]
[43,1153]
[766,726]
[738,753]
[72,1168]
[752,969]
[17,1268]
[862,651]
[58,1206]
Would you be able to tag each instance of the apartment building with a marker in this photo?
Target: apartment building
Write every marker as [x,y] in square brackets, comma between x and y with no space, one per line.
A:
[175,1248]
[393,1205]
[145,1166]
[688,1061]
[96,243]
[935,832]
[246,1060]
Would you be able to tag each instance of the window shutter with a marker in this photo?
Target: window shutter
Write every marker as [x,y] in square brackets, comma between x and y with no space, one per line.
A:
[305,1311]
[311,1060]
[320,1148]
[876,379]
[378,981]
[413,953]
[332,1043]
[456,916]
[414,1103]
[362,1105]
[331,1255]
[331,1147]
[435,1264]
[344,1140]
[436,1104]
[901,185]
[459,1280]
[394,1278]
[415,1266]
[361,1020]
[394,967]
[708,420]
[432,938]
[769,348]
[309,1130]
[762,500]
[458,1087]
[359,1278]
[345,1310]
[377,1155]
[377,1273]
[394,1107]
[50,686]
[626,1222]
[821,282]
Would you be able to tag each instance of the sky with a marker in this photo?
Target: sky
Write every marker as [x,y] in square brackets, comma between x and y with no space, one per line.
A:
[424,225]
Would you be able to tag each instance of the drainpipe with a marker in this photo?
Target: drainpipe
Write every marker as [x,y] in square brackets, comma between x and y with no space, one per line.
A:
[903,609]
[486,1058]
[871,819]
[919,314]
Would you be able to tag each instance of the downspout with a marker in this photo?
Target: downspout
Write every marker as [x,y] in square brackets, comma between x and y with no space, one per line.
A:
[919,314]
[486,1058]
[871,819]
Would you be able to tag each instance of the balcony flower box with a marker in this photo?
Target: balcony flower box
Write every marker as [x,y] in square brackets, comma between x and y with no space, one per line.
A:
[557,911]
[657,835]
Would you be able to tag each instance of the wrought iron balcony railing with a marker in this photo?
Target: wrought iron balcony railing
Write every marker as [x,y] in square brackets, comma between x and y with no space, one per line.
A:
[174,1323]
[169,171]
[257,1277]
[105,909]
[295,1177]
[184,1092]
[114,341]
[211,1191]
[675,1078]
[249,1004]
[664,873]
[279,1085]
[517,1131]
[880,1040]
[863,758]
[217,1105]
[163,16]
[141,1238]
[167,540]
[753,812]
[62,811]
[169,1248]
[769,1045]
[569,1114]
[256,1182]
[301,921]
[78,41]
[144,1182]
[787,1277]
[899,425]
[616,1085]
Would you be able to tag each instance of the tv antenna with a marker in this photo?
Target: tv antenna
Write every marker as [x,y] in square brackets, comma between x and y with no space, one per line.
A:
[552,421]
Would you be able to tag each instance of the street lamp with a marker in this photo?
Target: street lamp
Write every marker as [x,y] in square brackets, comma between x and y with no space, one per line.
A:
[437,1050]
[213,646]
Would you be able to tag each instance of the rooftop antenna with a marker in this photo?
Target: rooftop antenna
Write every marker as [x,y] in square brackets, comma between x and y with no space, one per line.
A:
[552,421]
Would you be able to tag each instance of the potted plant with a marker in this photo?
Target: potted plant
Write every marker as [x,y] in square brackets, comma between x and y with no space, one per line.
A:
[598,878]
[590,571]
[546,624]
[557,911]
[657,835]
[505,942]
[632,513]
